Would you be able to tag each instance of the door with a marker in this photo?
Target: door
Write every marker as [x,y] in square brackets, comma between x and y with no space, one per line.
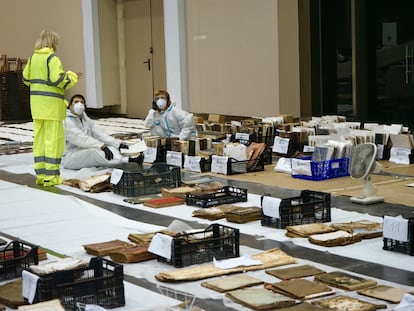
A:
[144,52]
[393,51]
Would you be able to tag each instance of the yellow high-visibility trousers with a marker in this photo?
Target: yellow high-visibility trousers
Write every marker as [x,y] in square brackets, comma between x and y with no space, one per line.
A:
[48,147]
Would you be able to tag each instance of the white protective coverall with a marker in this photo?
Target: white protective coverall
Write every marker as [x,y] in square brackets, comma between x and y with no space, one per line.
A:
[84,140]
[173,122]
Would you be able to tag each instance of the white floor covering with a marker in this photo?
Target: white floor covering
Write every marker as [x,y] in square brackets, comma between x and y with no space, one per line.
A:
[64,223]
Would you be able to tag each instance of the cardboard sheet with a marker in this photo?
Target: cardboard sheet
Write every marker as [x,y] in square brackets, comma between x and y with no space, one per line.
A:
[347,303]
[233,282]
[384,292]
[345,280]
[301,289]
[260,298]
[294,272]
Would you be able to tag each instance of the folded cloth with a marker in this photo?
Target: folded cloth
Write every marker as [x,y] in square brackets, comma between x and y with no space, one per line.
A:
[406,304]
[29,285]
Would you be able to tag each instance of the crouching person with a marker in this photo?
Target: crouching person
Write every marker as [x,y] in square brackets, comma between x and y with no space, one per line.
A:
[87,145]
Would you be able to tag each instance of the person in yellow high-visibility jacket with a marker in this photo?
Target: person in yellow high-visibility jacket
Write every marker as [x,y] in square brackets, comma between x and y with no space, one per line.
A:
[48,81]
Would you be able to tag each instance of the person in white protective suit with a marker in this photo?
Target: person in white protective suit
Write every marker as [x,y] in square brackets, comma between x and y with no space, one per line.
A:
[87,145]
[167,120]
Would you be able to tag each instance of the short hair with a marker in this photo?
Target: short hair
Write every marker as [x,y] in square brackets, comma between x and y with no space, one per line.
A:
[162,92]
[77,96]
[47,39]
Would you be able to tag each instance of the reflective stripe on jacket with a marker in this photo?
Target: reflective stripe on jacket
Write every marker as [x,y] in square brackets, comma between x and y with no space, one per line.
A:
[48,81]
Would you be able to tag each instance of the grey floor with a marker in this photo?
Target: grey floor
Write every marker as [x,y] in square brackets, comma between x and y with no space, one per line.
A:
[392,274]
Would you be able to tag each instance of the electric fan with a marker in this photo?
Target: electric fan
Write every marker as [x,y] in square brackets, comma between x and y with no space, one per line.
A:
[362,165]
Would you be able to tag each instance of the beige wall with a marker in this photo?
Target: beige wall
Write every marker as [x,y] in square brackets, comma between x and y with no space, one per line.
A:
[288,48]
[21,22]
[242,54]
[109,53]
[243,57]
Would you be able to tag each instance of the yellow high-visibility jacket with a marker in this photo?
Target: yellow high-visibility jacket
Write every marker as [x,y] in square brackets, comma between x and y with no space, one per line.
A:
[48,81]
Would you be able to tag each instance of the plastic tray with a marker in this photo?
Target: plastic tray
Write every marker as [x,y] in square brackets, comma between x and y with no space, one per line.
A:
[325,169]
[148,181]
[309,207]
[15,257]
[402,247]
[216,241]
[226,195]
[176,300]
[101,284]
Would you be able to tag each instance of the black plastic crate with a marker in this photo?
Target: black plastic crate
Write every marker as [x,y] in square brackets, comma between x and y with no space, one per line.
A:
[148,181]
[226,195]
[100,283]
[309,207]
[234,166]
[15,257]
[399,246]
[14,97]
[216,241]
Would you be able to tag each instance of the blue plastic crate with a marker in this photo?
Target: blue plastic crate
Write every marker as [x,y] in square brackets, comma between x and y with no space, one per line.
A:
[325,169]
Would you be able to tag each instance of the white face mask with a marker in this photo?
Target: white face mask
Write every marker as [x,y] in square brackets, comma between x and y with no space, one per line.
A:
[78,108]
[161,103]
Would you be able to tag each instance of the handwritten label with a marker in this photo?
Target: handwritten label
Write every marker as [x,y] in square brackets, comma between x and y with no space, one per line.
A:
[281,145]
[301,167]
[192,163]
[270,206]
[219,164]
[395,228]
[175,158]
[150,155]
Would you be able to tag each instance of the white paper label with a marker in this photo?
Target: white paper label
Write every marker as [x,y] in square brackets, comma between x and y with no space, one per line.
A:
[281,145]
[150,154]
[236,262]
[192,163]
[301,167]
[242,136]
[116,176]
[270,207]
[400,155]
[395,228]
[308,148]
[175,158]
[219,164]
[161,245]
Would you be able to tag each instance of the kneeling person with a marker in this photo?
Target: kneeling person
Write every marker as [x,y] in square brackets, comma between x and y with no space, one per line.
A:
[87,145]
